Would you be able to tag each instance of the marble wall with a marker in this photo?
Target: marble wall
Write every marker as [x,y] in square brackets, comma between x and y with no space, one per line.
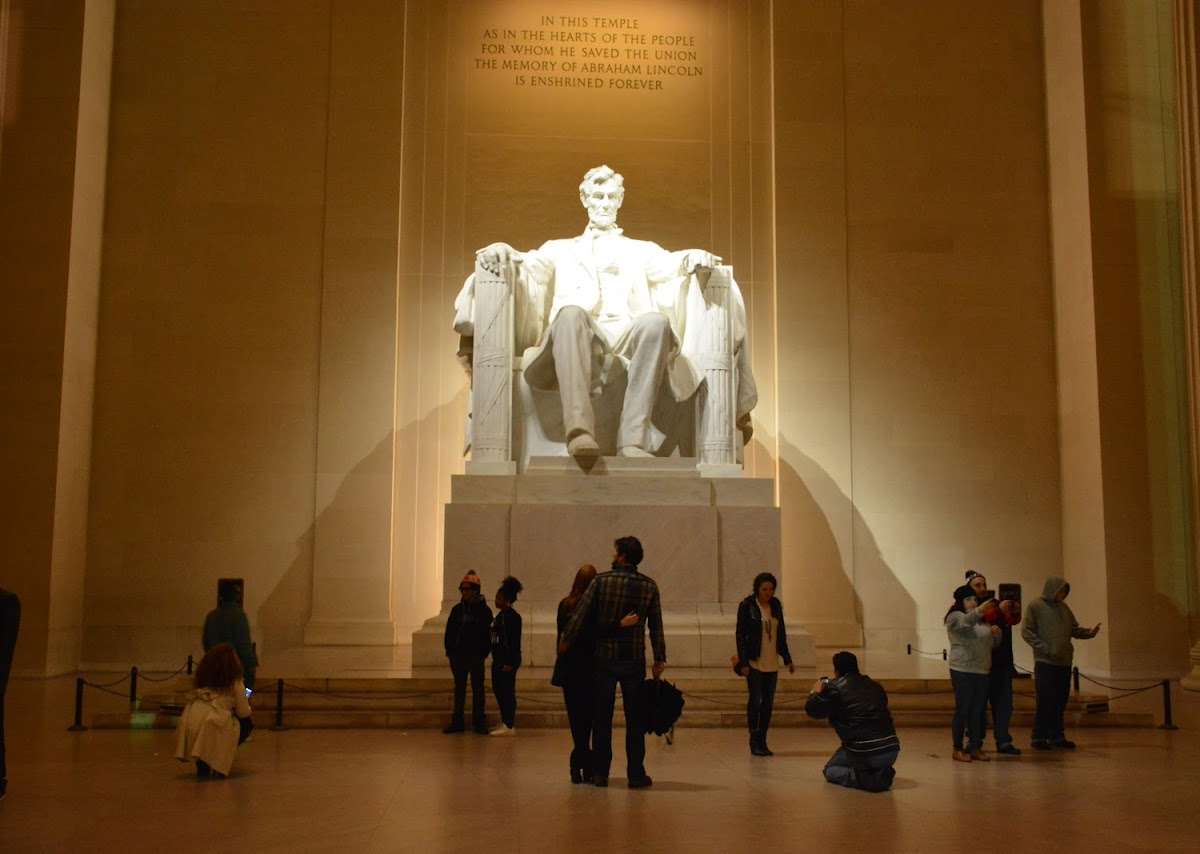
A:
[295,191]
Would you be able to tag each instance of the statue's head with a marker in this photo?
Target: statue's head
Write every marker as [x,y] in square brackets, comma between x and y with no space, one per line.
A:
[602,191]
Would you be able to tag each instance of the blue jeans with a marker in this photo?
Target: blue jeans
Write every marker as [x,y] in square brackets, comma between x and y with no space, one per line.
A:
[970,708]
[629,675]
[872,772]
[761,702]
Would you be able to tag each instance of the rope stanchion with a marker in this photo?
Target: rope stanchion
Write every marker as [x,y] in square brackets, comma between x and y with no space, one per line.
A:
[78,726]
[133,677]
[186,666]
[1075,678]
[912,649]
[1168,718]
[278,726]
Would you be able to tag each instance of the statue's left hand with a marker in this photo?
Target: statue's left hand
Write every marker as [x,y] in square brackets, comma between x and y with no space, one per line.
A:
[700,258]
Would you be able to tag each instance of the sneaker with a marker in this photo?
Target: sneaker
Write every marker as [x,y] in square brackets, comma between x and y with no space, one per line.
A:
[1063,744]
[1009,749]
[504,729]
[453,728]
[640,782]
[1040,744]
[978,755]
[766,751]
[961,756]
[576,775]
[203,771]
[600,782]
[757,749]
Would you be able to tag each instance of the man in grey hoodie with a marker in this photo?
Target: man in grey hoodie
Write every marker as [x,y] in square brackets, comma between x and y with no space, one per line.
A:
[1049,627]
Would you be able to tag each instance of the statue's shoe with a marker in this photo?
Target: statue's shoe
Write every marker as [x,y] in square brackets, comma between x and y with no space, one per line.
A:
[635,451]
[583,445]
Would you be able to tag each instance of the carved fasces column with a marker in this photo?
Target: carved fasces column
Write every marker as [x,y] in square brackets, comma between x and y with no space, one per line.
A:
[716,430]
[491,376]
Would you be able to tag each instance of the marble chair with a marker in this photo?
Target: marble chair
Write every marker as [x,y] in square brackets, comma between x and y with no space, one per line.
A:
[511,422]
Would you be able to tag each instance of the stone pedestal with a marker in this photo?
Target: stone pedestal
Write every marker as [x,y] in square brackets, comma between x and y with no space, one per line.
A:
[704,538]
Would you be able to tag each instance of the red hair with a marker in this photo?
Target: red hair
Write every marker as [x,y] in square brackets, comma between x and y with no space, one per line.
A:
[219,668]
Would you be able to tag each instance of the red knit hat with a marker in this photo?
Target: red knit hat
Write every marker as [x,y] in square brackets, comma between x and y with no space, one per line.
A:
[471,578]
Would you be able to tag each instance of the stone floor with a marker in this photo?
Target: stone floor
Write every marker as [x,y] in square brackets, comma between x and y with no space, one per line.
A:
[394,791]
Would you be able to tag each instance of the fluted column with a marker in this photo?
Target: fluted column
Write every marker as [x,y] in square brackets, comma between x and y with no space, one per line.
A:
[1188,88]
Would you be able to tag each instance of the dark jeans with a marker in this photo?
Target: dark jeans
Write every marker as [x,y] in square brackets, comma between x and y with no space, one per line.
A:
[580,696]
[504,686]
[1000,698]
[871,773]
[970,708]
[1052,687]
[761,702]
[461,667]
[629,675]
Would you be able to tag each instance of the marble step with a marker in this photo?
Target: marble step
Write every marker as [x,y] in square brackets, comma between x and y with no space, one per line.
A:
[557,719]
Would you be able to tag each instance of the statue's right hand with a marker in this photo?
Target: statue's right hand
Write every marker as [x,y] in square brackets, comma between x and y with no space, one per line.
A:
[495,256]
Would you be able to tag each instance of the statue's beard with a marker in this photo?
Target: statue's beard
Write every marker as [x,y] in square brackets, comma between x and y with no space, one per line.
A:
[603,220]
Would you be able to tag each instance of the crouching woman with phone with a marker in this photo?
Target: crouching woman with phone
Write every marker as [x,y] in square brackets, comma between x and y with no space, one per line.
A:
[217,719]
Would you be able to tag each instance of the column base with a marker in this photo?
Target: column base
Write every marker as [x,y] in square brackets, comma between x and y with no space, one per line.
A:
[350,633]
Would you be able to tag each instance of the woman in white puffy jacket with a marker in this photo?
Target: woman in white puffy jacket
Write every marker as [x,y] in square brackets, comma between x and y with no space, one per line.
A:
[971,643]
[217,719]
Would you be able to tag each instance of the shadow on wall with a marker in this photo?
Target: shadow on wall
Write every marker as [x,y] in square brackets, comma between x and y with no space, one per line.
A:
[831,561]
[288,607]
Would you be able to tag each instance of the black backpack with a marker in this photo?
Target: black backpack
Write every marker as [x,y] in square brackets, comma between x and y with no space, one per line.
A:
[662,703]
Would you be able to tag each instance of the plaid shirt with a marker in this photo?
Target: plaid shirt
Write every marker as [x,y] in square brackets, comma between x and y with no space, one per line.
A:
[610,597]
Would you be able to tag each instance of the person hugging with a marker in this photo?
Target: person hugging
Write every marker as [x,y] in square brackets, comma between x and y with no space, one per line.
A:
[506,654]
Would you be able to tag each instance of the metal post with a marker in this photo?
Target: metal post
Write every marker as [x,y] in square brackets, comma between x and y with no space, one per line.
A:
[1075,678]
[1168,718]
[909,649]
[278,706]
[944,658]
[133,672]
[78,725]
[190,662]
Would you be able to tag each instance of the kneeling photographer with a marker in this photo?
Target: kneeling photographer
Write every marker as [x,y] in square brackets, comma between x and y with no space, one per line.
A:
[857,707]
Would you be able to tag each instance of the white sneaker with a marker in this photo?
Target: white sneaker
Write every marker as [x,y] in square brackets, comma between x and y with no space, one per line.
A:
[504,730]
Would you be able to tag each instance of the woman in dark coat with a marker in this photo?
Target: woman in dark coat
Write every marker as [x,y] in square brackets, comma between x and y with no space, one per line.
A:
[761,641]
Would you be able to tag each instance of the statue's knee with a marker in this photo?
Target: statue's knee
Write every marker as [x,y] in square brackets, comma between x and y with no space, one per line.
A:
[654,323]
[571,315]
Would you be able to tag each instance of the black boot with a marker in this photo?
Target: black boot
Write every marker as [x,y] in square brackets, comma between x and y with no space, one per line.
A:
[757,747]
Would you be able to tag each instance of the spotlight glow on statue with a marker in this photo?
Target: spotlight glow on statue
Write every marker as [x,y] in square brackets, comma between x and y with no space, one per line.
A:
[583,301]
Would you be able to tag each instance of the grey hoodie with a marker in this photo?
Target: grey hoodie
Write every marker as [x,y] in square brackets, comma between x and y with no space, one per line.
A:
[1049,626]
[971,642]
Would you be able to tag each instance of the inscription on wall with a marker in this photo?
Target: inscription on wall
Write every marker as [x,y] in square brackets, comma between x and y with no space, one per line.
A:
[589,52]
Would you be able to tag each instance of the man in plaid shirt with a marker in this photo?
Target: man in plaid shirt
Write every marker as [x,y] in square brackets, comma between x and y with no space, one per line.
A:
[620,654]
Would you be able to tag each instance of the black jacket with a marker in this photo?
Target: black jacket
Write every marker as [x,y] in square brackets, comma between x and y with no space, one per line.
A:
[750,630]
[506,638]
[579,659]
[10,624]
[468,631]
[857,706]
[228,623]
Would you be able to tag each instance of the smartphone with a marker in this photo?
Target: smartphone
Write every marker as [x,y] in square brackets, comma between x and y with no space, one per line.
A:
[1010,592]
[249,691]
